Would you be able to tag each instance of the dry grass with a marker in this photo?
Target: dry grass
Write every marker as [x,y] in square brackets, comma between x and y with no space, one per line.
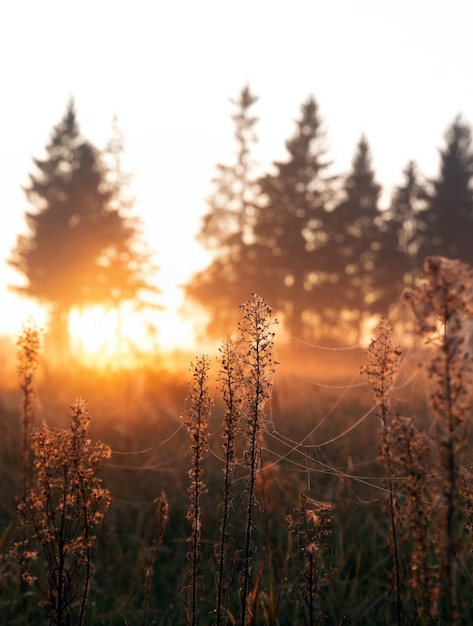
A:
[310,501]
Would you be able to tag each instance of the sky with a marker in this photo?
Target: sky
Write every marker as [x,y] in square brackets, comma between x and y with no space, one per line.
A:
[397,71]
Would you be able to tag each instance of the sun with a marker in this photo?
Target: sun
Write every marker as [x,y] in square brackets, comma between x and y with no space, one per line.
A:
[101,336]
[94,329]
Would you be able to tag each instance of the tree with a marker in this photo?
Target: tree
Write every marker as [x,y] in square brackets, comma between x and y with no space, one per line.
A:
[228,226]
[360,249]
[408,200]
[82,248]
[289,229]
[447,222]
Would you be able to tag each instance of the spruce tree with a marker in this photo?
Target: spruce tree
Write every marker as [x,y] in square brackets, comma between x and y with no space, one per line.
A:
[447,222]
[407,201]
[227,228]
[289,230]
[356,237]
[82,248]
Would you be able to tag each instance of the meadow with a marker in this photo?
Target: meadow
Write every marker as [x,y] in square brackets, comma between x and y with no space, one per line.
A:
[267,484]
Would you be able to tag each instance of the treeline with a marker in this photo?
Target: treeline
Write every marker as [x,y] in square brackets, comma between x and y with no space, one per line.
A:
[315,244]
[318,245]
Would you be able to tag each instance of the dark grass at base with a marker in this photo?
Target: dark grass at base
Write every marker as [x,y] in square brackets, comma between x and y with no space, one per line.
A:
[137,414]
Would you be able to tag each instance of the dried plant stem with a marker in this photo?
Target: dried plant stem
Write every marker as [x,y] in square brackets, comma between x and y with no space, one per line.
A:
[162,516]
[442,304]
[60,510]
[383,359]
[451,462]
[417,517]
[28,343]
[196,419]
[309,523]
[27,355]
[258,369]
[397,566]
[230,386]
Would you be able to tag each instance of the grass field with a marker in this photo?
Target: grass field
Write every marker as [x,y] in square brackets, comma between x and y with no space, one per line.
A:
[352,507]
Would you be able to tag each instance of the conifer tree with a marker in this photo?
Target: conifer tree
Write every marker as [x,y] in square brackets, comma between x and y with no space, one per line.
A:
[227,227]
[356,237]
[82,247]
[407,201]
[447,222]
[289,230]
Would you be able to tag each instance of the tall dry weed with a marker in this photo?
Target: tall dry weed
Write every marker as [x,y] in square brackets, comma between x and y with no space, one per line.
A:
[64,504]
[383,360]
[417,507]
[442,304]
[231,390]
[162,516]
[258,367]
[28,344]
[310,525]
[196,418]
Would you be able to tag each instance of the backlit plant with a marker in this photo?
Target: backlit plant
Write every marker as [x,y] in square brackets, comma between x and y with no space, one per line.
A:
[64,504]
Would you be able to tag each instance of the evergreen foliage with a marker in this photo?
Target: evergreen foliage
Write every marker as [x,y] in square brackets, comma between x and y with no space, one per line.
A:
[82,248]
[327,258]
[289,230]
[227,228]
[408,199]
[447,222]
[357,238]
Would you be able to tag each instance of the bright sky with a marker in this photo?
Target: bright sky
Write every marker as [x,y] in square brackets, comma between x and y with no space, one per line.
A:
[398,71]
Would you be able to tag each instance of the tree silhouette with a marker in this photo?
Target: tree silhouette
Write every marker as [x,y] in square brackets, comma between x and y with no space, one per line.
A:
[407,202]
[357,242]
[325,256]
[227,228]
[289,230]
[82,248]
[447,221]
[267,233]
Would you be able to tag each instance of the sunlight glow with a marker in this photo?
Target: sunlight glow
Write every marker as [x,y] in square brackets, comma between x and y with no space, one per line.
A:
[101,336]
[16,311]
[94,330]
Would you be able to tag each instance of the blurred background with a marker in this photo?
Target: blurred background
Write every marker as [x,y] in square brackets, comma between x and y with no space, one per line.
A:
[161,161]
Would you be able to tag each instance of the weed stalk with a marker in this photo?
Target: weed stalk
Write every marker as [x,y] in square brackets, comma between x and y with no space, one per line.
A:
[196,419]
[230,387]
[442,304]
[162,516]
[383,359]
[28,343]
[64,503]
[257,340]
